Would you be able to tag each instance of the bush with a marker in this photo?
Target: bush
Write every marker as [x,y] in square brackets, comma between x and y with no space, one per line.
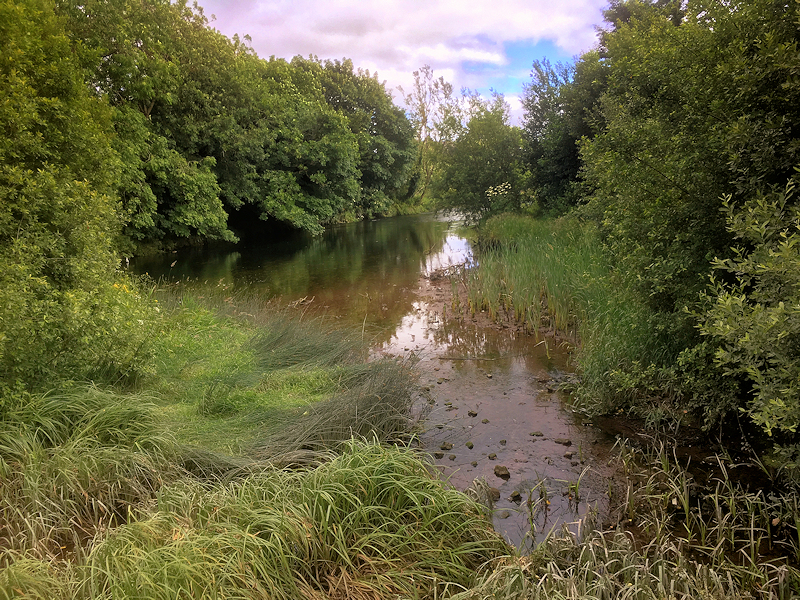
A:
[753,309]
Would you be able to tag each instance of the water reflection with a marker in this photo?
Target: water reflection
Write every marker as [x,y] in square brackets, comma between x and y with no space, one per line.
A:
[363,273]
[491,406]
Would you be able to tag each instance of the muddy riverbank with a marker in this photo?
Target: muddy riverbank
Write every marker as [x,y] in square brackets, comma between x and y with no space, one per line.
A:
[493,413]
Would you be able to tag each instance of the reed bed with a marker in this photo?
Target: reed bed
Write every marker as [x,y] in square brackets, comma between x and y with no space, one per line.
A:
[676,539]
[553,276]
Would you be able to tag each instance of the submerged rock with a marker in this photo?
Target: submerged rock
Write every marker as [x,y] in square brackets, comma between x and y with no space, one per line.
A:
[502,472]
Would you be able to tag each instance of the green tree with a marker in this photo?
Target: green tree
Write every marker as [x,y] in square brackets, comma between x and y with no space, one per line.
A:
[64,312]
[437,114]
[482,169]
[385,136]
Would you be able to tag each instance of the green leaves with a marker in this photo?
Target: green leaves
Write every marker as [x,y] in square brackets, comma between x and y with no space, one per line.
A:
[483,164]
[754,308]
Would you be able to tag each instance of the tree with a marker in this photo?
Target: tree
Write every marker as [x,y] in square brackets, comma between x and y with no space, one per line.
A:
[482,168]
[437,115]
[64,311]
[385,136]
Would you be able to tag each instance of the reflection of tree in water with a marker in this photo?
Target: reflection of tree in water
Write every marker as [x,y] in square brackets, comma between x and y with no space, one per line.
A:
[362,269]
[461,338]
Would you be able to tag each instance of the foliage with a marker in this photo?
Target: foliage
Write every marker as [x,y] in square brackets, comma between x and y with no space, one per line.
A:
[64,311]
[385,136]
[551,139]
[208,129]
[754,308]
[483,171]
[437,115]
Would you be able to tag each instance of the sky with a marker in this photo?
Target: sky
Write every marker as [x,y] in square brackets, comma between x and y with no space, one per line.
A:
[479,45]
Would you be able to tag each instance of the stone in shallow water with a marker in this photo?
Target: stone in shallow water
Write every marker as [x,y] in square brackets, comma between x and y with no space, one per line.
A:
[472,413]
[494,494]
[536,433]
[563,441]
[515,496]
[492,456]
[502,472]
[446,446]
[470,445]
[503,514]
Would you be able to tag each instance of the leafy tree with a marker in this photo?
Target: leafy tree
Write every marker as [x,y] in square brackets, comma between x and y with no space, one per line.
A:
[384,134]
[437,115]
[482,170]
[64,313]
[684,110]
[131,52]
[552,146]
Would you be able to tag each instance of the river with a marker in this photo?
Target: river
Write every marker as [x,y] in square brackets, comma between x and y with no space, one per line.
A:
[492,412]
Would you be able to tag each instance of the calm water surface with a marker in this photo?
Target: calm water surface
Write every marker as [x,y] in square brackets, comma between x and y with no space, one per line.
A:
[490,405]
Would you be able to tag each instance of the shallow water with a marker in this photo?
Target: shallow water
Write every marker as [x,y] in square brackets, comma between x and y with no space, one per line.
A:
[488,386]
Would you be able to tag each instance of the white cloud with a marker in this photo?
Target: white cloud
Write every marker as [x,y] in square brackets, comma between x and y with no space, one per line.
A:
[395,37]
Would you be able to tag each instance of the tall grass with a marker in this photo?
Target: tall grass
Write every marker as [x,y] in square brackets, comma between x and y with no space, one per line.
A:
[554,276]
[371,522]
[675,539]
[72,464]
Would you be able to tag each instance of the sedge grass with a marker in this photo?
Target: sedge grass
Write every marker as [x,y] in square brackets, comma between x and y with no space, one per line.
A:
[74,463]
[372,522]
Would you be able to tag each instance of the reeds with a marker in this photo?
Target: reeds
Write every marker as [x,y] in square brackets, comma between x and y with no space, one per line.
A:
[553,276]
[675,539]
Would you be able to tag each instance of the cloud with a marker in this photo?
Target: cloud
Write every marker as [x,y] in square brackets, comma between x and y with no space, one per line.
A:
[395,37]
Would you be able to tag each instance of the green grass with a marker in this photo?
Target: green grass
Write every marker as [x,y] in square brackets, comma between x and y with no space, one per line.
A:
[232,473]
[554,277]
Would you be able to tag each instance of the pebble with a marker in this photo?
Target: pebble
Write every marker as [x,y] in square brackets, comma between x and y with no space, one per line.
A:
[472,413]
[503,514]
[493,456]
[502,472]
[484,421]
[494,493]
[536,433]
[474,463]
[502,442]
[563,441]
[569,454]
[452,457]
[446,446]
[470,445]
[515,496]
[438,455]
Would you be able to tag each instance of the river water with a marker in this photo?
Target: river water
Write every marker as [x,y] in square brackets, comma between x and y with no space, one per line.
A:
[491,410]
